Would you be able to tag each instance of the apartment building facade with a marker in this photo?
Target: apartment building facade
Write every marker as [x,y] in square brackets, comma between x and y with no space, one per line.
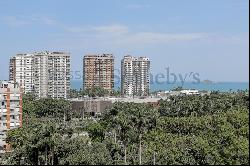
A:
[20,71]
[135,76]
[98,71]
[46,74]
[10,110]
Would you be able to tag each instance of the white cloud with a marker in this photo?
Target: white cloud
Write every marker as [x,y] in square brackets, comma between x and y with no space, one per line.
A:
[111,37]
[27,20]
[154,38]
[114,29]
[105,30]
[118,35]
[114,33]
[123,35]
[76,29]
[44,20]
[138,6]
[14,21]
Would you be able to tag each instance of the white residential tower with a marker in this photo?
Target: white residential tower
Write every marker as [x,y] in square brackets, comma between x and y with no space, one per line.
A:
[46,74]
[135,76]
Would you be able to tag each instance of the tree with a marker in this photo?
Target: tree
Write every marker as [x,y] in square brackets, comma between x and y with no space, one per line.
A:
[197,130]
[131,122]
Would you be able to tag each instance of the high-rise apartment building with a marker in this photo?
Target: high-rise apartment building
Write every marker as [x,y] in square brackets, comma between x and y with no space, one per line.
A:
[98,71]
[20,71]
[135,76]
[46,74]
[10,110]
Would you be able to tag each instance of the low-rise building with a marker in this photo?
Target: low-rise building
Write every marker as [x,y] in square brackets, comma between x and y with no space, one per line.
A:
[81,107]
[190,92]
[94,106]
[153,101]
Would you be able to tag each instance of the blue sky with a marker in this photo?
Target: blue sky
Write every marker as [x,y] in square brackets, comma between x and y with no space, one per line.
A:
[209,37]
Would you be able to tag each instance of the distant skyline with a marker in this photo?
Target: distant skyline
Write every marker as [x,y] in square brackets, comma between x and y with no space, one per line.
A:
[209,37]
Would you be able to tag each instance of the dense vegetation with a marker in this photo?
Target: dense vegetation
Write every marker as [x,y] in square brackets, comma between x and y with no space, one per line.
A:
[182,130]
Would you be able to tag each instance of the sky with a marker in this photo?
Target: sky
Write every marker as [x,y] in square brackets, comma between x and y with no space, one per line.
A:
[209,37]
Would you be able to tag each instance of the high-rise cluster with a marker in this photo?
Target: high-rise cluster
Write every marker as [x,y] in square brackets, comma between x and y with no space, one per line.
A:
[46,74]
[98,71]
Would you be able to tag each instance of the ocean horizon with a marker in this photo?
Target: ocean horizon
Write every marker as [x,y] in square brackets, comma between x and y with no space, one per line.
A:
[217,86]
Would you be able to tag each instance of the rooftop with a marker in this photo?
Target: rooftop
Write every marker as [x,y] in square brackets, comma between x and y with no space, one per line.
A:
[114,99]
[42,53]
[99,56]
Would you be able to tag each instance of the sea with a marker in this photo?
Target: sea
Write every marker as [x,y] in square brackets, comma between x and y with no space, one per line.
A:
[215,86]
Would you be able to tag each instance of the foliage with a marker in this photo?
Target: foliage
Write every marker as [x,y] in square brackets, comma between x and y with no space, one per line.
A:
[198,130]
[210,139]
[49,108]
[80,152]
[178,106]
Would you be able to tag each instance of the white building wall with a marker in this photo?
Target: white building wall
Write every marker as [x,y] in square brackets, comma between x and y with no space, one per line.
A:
[24,71]
[47,74]
[135,76]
